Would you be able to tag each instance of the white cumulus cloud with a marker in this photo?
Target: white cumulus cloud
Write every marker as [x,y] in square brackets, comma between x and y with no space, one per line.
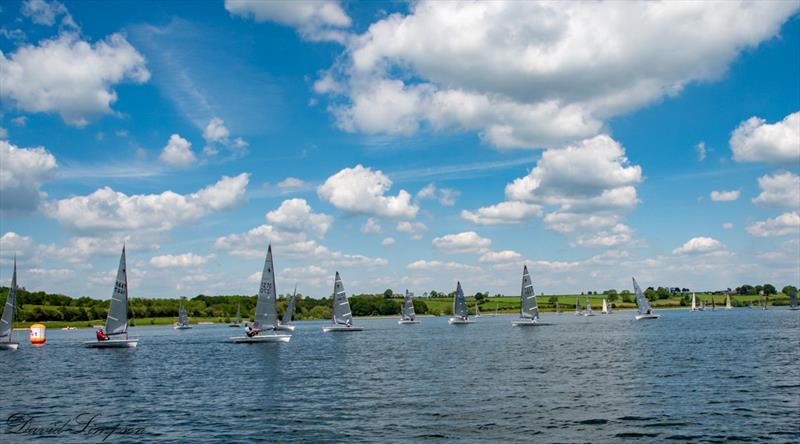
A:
[783,225]
[295,215]
[725,196]
[512,212]
[360,190]
[22,172]
[755,140]
[178,152]
[781,190]
[465,242]
[315,20]
[700,245]
[184,260]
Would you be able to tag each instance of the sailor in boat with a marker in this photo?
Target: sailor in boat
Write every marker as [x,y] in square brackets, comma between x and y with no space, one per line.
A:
[101,335]
[250,331]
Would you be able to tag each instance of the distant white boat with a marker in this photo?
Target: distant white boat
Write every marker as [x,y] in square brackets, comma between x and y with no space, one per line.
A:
[460,313]
[286,322]
[496,306]
[183,319]
[728,305]
[558,308]
[588,311]
[262,329]
[342,315]
[604,310]
[477,309]
[577,306]
[528,308]
[793,301]
[7,320]
[407,314]
[238,321]
[694,302]
[702,305]
[69,327]
[644,311]
[117,319]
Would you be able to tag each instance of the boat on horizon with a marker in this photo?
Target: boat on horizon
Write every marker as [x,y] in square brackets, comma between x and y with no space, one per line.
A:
[117,318]
[642,304]
[477,309]
[588,311]
[286,322]
[407,314]
[694,302]
[238,321]
[728,304]
[262,329]
[577,306]
[7,320]
[342,320]
[528,308]
[604,310]
[793,301]
[183,319]
[460,312]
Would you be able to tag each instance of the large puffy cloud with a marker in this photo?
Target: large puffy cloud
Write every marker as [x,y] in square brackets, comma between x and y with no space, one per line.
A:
[106,209]
[178,152]
[70,76]
[184,260]
[503,213]
[314,19]
[755,140]
[700,245]
[528,74]
[22,172]
[781,190]
[295,215]
[360,190]
[783,225]
[466,242]
[12,244]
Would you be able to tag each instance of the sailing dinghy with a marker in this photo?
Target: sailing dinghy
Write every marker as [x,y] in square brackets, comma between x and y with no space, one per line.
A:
[286,322]
[183,319]
[477,309]
[793,300]
[262,329]
[117,319]
[238,321]
[577,306]
[644,311]
[588,311]
[409,317]
[604,310]
[694,302]
[728,305]
[460,313]
[342,315]
[7,321]
[528,308]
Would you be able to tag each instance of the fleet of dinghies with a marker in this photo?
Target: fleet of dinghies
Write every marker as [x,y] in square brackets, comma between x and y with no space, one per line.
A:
[265,327]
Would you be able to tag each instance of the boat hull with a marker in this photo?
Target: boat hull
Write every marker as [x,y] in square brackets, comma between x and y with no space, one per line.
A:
[234,325]
[645,317]
[588,314]
[407,322]
[459,321]
[112,343]
[524,323]
[182,327]
[338,328]
[287,327]
[9,345]
[261,339]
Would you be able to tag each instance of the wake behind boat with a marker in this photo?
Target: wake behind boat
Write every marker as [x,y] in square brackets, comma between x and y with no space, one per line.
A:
[460,313]
[7,321]
[528,308]
[286,322]
[262,329]
[183,319]
[408,316]
[117,319]
[644,311]
[342,315]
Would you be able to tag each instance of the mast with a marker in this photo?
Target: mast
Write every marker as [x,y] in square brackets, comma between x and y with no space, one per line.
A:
[117,319]
[7,321]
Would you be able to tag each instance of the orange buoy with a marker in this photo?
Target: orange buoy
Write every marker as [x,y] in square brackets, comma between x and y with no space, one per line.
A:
[37,334]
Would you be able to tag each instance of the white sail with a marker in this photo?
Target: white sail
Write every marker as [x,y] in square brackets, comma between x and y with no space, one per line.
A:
[728,305]
[289,313]
[341,306]
[266,315]
[577,305]
[588,307]
[605,307]
[460,303]
[408,307]
[183,316]
[694,302]
[528,308]
[642,304]
[117,319]
[793,299]
[7,321]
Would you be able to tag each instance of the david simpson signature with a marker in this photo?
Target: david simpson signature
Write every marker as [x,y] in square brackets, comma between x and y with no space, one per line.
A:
[84,423]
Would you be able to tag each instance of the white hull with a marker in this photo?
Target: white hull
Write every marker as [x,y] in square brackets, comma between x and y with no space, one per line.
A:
[182,327]
[588,314]
[261,338]
[794,308]
[524,323]
[9,345]
[459,321]
[112,343]
[286,327]
[335,328]
[407,322]
[650,316]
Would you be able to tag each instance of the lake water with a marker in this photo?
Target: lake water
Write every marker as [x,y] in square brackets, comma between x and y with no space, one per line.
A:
[689,377]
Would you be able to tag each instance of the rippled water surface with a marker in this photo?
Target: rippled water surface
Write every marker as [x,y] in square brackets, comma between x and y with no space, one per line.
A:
[688,377]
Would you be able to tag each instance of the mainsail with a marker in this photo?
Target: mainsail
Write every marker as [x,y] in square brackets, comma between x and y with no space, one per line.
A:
[577,305]
[460,303]
[605,307]
[408,307]
[287,315]
[642,304]
[527,300]
[792,298]
[117,320]
[341,307]
[728,305]
[588,306]
[7,321]
[183,316]
[694,302]
[266,316]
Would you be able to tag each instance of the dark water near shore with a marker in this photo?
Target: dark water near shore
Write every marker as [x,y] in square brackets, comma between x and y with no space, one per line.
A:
[688,377]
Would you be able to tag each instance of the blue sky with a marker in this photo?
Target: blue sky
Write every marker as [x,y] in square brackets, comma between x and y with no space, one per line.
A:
[406,145]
